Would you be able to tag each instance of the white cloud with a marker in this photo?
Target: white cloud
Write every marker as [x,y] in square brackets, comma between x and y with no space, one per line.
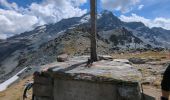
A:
[157,22]
[7,5]
[140,7]
[15,20]
[122,5]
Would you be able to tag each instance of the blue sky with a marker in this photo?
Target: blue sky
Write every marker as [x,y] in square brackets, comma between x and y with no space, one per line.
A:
[24,3]
[14,13]
[150,9]
[154,8]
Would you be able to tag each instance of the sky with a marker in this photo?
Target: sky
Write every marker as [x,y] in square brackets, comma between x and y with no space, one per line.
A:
[17,16]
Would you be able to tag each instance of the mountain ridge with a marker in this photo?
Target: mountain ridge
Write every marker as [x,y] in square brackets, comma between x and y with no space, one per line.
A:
[43,44]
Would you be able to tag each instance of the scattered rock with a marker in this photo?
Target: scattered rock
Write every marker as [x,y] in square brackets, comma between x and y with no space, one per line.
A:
[137,60]
[62,58]
[105,57]
[122,60]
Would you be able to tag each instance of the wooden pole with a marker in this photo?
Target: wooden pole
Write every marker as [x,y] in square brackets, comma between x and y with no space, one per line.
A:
[93,13]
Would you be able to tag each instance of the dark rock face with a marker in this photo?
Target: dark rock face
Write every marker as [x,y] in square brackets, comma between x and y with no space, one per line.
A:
[6,49]
[124,36]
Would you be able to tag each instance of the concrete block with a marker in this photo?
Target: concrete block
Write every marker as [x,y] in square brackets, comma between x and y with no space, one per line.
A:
[42,80]
[104,80]
[43,90]
[81,90]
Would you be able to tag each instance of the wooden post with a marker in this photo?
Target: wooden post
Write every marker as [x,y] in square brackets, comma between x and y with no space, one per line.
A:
[93,13]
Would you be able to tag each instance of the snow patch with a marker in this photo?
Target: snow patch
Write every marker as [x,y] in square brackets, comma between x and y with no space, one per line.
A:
[7,83]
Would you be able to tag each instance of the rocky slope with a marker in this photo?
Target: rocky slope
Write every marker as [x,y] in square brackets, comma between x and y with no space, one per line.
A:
[144,33]
[162,35]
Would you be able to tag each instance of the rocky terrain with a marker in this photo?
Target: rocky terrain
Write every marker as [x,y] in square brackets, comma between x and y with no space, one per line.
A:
[43,44]
[151,64]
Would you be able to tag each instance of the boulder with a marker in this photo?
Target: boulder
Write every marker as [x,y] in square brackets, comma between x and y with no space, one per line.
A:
[137,61]
[62,58]
[122,60]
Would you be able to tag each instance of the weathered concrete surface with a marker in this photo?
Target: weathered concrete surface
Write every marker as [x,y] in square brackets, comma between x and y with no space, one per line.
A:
[82,90]
[105,80]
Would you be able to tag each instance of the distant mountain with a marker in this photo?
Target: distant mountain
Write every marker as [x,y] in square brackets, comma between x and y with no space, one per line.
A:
[162,35]
[144,33]
[44,43]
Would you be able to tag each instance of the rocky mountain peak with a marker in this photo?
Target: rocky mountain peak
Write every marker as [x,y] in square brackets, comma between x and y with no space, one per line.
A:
[108,21]
[108,15]
[106,12]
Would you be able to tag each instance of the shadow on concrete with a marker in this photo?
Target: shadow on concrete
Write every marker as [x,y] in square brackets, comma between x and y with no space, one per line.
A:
[73,66]
[68,68]
[147,97]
